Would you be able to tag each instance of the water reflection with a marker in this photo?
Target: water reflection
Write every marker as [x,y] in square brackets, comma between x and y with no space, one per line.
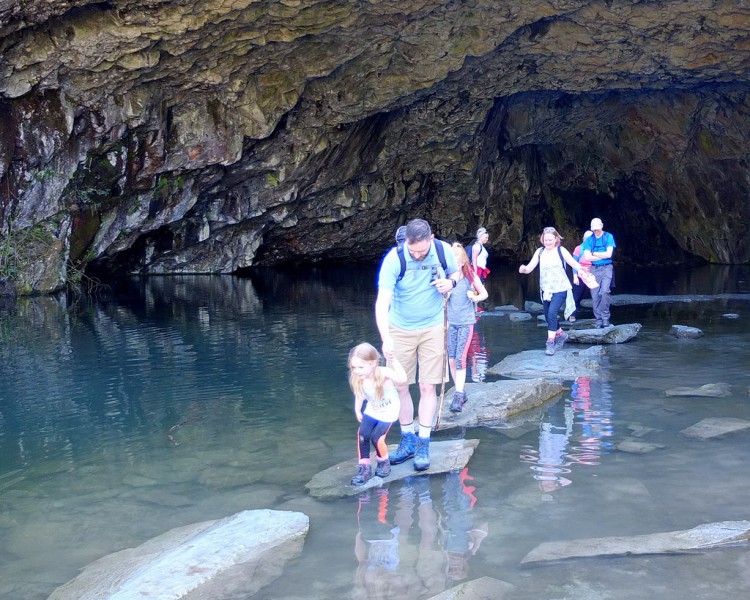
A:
[409,545]
[181,399]
[576,431]
[477,357]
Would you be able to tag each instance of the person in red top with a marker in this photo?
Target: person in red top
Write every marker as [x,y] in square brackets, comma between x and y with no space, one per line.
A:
[578,286]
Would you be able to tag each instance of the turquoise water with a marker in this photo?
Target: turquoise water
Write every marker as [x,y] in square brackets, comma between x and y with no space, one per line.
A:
[176,400]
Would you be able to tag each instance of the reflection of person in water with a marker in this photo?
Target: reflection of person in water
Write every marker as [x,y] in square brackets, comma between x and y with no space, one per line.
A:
[477,357]
[551,461]
[392,563]
[461,539]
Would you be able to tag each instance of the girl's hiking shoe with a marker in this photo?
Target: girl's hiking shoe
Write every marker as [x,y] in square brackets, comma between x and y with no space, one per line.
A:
[363,475]
[560,340]
[459,399]
[383,469]
[406,448]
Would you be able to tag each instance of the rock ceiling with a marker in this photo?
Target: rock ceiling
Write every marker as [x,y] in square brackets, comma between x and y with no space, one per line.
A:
[166,136]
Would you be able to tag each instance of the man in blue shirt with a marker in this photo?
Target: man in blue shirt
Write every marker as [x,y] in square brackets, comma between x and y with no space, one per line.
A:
[598,248]
[409,312]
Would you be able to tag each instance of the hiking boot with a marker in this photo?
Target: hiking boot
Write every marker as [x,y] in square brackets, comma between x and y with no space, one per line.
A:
[406,448]
[383,469]
[363,475]
[606,324]
[550,348]
[422,454]
[560,340]
[459,399]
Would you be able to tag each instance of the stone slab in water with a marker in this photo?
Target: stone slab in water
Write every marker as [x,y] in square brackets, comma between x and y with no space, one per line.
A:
[708,390]
[445,456]
[714,427]
[484,588]
[567,363]
[496,401]
[213,560]
[614,334]
[705,536]
[684,331]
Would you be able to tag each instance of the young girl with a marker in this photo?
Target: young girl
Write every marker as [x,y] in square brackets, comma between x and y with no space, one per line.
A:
[376,404]
[553,283]
[461,318]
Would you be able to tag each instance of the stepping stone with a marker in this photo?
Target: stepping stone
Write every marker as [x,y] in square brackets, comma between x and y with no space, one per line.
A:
[213,560]
[614,334]
[683,331]
[699,538]
[492,402]
[567,364]
[445,456]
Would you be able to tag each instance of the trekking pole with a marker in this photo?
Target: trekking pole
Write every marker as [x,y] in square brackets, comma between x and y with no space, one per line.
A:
[445,359]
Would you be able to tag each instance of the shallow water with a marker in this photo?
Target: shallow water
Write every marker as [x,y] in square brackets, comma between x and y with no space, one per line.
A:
[182,399]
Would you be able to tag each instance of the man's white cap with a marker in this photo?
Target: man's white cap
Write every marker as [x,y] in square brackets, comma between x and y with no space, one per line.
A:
[597,224]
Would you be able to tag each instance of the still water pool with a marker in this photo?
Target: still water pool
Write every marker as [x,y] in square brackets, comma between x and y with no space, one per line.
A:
[175,400]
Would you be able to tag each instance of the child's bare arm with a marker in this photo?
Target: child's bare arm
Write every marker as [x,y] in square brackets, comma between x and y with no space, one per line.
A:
[396,374]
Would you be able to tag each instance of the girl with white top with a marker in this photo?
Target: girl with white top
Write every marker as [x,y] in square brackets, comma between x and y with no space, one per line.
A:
[479,254]
[553,283]
[376,404]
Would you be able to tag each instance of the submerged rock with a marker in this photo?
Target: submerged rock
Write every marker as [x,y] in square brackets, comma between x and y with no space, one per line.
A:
[701,537]
[445,456]
[637,446]
[213,560]
[567,363]
[484,588]
[709,390]
[713,427]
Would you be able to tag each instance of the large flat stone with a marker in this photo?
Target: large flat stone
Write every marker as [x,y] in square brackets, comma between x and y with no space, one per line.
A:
[497,401]
[614,334]
[566,364]
[213,560]
[445,456]
[709,535]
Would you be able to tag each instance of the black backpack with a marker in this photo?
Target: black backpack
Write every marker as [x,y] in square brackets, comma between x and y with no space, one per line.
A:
[439,249]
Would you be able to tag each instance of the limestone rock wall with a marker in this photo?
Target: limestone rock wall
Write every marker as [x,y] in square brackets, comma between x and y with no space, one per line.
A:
[174,136]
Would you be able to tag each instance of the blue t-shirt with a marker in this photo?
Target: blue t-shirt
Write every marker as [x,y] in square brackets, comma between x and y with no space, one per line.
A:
[594,244]
[415,304]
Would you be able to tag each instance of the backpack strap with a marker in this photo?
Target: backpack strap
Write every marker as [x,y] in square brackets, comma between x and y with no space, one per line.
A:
[439,250]
[562,260]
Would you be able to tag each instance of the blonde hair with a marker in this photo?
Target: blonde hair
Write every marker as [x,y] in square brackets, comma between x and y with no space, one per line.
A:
[366,352]
[467,269]
[553,231]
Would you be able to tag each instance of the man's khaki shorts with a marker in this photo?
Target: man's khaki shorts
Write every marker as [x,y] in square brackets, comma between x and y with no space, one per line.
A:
[423,347]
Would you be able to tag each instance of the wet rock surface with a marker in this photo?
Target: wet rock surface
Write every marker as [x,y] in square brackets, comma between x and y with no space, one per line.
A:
[209,136]
[566,364]
[445,456]
[702,537]
[716,427]
[213,560]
